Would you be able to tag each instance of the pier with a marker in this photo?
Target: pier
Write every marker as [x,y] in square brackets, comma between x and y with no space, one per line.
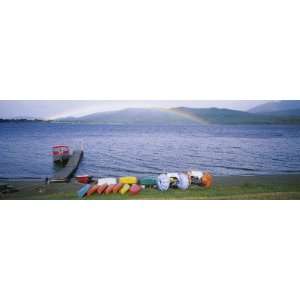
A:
[65,174]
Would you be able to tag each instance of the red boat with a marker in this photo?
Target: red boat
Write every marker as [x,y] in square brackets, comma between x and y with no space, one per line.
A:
[61,154]
[83,178]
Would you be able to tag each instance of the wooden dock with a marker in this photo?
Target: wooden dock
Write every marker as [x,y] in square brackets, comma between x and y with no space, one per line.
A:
[65,174]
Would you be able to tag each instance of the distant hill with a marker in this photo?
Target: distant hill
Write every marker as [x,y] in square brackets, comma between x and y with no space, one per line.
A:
[181,115]
[277,106]
[229,116]
[133,116]
[283,113]
[223,116]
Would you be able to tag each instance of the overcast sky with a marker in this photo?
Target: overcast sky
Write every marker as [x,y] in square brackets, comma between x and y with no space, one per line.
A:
[55,109]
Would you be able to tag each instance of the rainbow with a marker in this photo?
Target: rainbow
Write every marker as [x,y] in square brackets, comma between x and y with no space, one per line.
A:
[187,115]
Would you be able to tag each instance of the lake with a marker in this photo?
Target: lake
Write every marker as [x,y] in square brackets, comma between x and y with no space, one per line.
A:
[115,150]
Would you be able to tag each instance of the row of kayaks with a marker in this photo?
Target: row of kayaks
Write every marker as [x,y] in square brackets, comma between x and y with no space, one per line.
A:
[134,185]
[90,189]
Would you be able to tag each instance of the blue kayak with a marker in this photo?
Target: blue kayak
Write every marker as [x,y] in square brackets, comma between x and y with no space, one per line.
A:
[82,192]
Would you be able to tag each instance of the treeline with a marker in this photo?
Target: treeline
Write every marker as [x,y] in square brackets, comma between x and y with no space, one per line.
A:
[21,120]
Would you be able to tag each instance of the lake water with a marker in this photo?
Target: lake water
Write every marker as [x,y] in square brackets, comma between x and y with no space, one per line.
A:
[115,150]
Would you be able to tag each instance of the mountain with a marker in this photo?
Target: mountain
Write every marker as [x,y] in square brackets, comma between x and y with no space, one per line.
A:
[133,116]
[229,116]
[277,106]
[222,116]
[283,113]
[181,116]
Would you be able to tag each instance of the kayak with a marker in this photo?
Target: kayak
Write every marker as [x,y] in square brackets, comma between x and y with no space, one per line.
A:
[124,189]
[92,190]
[108,180]
[147,182]
[117,187]
[82,192]
[135,189]
[109,189]
[128,180]
[101,188]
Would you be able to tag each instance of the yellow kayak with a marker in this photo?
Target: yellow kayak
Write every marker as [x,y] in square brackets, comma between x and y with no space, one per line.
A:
[125,188]
[128,180]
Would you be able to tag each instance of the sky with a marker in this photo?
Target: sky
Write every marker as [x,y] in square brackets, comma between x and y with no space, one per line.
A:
[57,109]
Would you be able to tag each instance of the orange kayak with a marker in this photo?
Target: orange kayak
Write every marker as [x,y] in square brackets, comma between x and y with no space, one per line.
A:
[109,189]
[135,189]
[117,187]
[101,188]
[92,190]
[206,180]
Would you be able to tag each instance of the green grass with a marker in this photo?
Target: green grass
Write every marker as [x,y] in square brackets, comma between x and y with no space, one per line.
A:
[219,191]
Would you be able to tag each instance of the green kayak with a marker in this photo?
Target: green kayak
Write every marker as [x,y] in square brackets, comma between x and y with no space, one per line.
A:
[148,182]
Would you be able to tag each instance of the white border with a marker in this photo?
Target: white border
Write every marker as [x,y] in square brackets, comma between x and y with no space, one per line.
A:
[137,50]
[149,250]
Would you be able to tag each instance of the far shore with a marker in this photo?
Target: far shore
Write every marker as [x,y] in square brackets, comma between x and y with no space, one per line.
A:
[224,187]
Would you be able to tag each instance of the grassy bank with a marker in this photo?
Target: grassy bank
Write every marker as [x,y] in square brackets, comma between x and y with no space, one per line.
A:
[225,187]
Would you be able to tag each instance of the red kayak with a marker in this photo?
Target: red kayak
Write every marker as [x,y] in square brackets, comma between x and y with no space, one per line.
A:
[135,189]
[92,190]
[109,189]
[117,187]
[101,188]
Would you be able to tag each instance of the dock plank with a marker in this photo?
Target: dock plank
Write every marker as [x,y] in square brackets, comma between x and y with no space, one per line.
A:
[66,173]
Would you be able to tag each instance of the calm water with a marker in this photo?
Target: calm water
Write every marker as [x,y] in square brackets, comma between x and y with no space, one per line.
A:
[114,150]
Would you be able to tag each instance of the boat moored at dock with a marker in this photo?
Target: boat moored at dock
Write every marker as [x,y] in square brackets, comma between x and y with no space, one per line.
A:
[60,154]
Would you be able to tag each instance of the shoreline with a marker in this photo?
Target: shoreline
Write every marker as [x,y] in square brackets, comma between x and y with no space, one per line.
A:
[285,186]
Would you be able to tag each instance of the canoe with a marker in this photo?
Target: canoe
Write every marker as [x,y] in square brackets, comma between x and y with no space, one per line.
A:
[117,187]
[102,188]
[92,190]
[124,189]
[128,180]
[147,182]
[135,189]
[108,180]
[109,189]
[82,192]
